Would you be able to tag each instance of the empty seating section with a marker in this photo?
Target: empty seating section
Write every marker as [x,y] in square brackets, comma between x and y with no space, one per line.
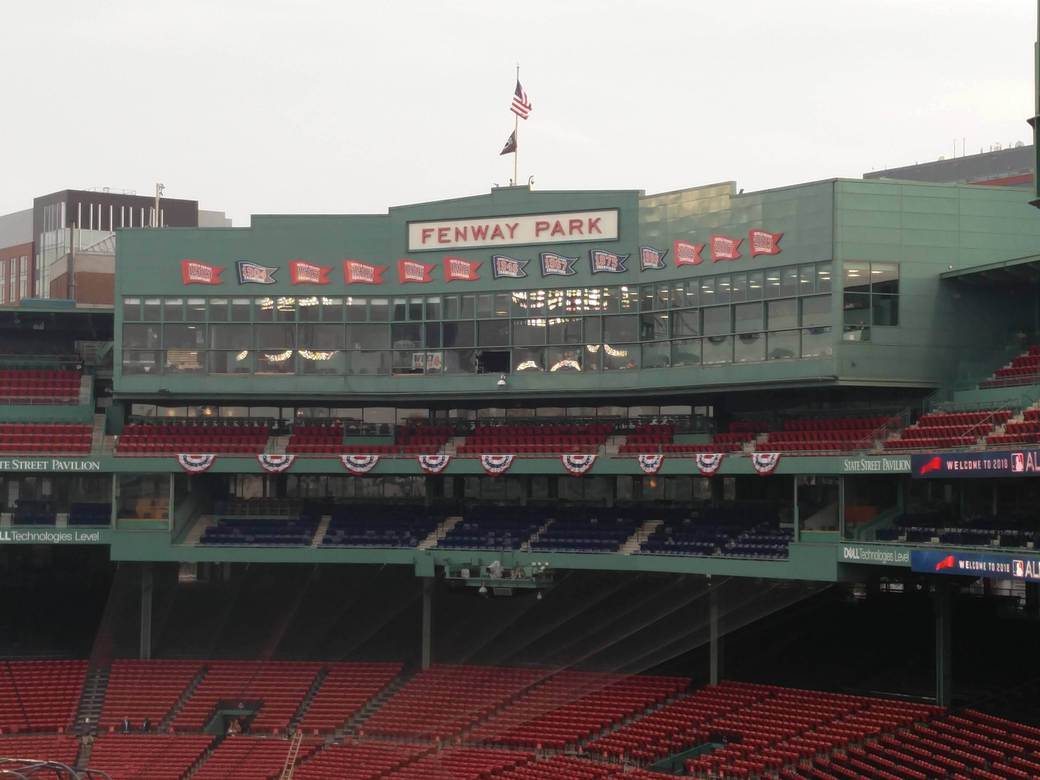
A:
[496,528]
[1024,431]
[943,430]
[326,438]
[439,702]
[357,761]
[56,438]
[152,756]
[34,511]
[589,530]
[740,530]
[242,437]
[246,758]
[365,525]
[536,439]
[825,434]
[788,726]
[47,747]
[265,531]
[39,695]
[677,726]
[145,689]
[941,527]
[84,513]
[659,438]
[460,764]
[1023,370]
[39,386]
[345,690]
[278,686]
[570,706]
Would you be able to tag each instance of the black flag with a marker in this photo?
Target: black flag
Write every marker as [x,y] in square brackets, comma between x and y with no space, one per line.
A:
[510,146]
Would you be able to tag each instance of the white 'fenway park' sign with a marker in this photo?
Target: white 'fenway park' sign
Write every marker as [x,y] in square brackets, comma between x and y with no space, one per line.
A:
[560,228]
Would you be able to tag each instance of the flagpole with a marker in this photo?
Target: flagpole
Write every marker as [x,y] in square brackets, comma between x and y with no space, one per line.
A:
[516,137]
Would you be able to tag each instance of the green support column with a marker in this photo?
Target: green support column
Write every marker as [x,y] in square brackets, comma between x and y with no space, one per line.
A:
[145,651]
[715,640]
[841,507]
[427,617]
[943,646]
[794,514]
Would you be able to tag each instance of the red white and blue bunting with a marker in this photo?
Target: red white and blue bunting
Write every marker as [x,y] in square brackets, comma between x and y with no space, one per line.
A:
[495,465]
[577,465]
[275,464]
[708,462]
[195,464]
[359,464]
[765,462]
[434,464]
[650,464]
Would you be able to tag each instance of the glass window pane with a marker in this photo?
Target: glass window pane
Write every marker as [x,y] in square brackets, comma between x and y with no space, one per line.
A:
[789,281]
[141,362]
[886,309]
[564,359]
[280,336]
[739,289]
[369,361]
[240,309]
[657,355]
[529,332]
[857,309]
[707,291]
[195,310]
[772,284]
[593,330]
[484,305]
[132,308]
[399,310]
[415,309]
[722,289]
[857,277]
[783,314]
[565,330]
[231,362]
[218,310]
[807,279]
[321,337]
[653,327]
[647,302]
[141,336]
[231,337]
[280,362]
[493,333]
[501,304]
[368,337]
[405,335]
[527,360]
[322,362]
[664,296]
[717,321]
[756,286]
[686,352]
[151,310]
[173,310]
[433,336]
[629,299]
[379,311]
[433,308]
[686,322]
[855,333]
[263,309]
[823,277]
[184,336]
[460,361]
[884,278]
[749,348]
[458,334]
[332,309]
[816,310]
[593,358]
[621,357]
[817,342]
[309,308]
[620,328]
[451,307]
[691,292]
[285,308]
[678,295]
[181,360]
[749,317]
[469,306]
[717,349]
[783,345]
[357,309]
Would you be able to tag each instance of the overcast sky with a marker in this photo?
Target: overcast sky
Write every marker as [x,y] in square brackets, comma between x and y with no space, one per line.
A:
[306,106]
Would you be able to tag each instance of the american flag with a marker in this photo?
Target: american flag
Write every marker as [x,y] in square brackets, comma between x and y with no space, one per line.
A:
[521,105]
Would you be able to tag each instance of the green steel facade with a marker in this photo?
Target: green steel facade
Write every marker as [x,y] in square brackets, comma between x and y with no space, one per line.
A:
[664,303]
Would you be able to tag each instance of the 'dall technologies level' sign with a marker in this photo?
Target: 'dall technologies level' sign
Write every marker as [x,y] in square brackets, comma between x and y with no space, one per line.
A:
[965,564]
[1024,463]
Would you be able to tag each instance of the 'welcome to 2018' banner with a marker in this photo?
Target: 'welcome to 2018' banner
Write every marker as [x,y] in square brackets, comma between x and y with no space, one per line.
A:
[1023,463]
[969,564]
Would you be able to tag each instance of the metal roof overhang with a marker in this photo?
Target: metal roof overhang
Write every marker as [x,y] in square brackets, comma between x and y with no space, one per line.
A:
[1013,271]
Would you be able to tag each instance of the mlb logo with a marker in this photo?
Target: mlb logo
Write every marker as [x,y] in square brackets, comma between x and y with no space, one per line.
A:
[1018,463]
[1018,569]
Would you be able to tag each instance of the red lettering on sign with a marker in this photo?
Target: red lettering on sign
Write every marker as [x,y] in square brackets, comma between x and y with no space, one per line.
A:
[576,226]
[594,225]
[427,233]
[443,235]
[540,227]
[511,227]
[480,232]
[460,234]
[497,233]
